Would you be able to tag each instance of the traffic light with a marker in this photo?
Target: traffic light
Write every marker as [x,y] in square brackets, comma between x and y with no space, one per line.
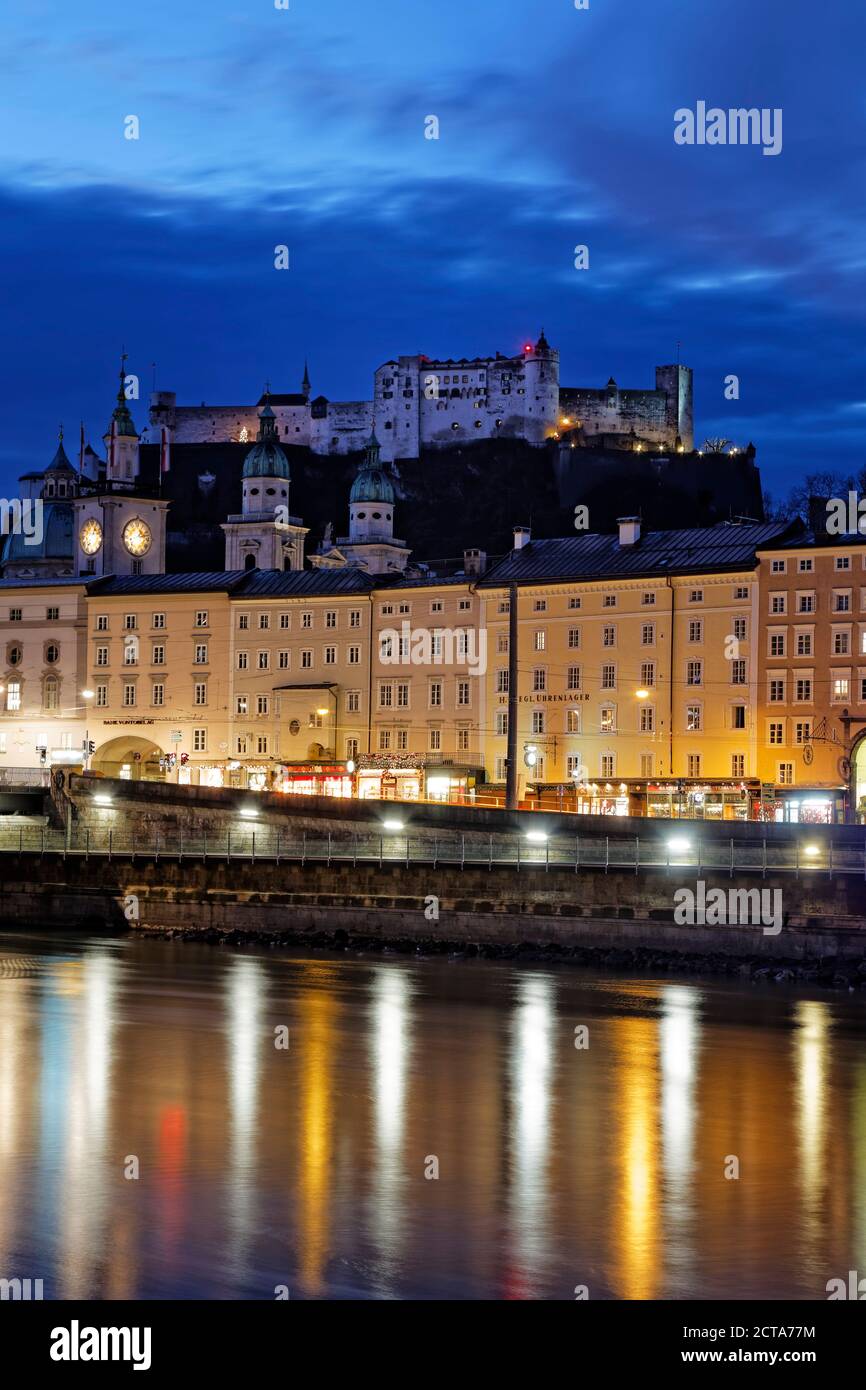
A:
[43,756]
[184,758]
[91,747]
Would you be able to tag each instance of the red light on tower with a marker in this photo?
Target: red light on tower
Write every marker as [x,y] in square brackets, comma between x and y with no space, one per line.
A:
[527,347]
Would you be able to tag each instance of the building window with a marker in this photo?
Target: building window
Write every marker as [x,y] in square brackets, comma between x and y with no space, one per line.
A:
[157,694]
[803,690]
[129,695]
[572,721]
[608,601]
[608,677]
[502,682]
[647,673]
[102,622]
[130,622]
[776,692]
[351,748]
[199,741]
[693,763]
[538,721]
[307,619]
[573,764]
[805,566]
[778,603]
[648,599]
[574,602]
[158,621]
[775,732]
[330,656]
[354,656]
[696,631]
[353,701]
[243,661]
[539,640]
[786,774]
[696,596]
[804,644]
[201,654]
[158,655]
[242,704]
[540,605]
[840,688]
[539,680]
[264,622]
[693,718]
[201,618]
[777,644]
[607,719]
[435,740]
[805,603]
[15,615]
[647,635]
[841,643]
[462,693]
[50,693]
[738,764]
[841,601]
[608,636]
[500,723]
[285,621]
[843,562]
[200,693]
[738,672]
[243,622]
[574,637]
[52,615]
[608,764]
[778,566]
[386,695]
[647,719]
[384,740]
[741,591]
[694,672]
[102,656]
[646,764]
[13,695]
[52,654]
[306,660]
[738,717]
[435,699]
[802,731]
[573,679]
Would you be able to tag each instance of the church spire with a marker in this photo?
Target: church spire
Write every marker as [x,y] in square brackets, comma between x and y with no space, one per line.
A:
[121,420]
[305,384]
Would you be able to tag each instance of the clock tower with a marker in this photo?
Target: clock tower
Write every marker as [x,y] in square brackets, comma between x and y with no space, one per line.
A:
[119,527]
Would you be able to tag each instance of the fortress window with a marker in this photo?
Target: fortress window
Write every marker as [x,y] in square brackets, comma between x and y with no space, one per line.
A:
[478,424]
[362,516]
[377,516]
[52,653]
[254,492]
[455,426]
[270,491]
[498,424]
[14,656]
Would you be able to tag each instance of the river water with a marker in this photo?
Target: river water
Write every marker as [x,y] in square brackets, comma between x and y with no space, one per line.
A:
[286,1111]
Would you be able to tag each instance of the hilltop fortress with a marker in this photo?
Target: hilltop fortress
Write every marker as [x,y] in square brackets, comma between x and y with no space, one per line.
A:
[424,403]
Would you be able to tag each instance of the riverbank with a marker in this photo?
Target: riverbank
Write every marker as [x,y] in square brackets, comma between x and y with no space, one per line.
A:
[830,973]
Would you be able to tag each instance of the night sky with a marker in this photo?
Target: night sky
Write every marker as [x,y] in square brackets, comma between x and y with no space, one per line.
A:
[305,127]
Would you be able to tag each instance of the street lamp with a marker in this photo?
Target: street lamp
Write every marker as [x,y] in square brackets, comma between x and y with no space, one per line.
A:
[641,694]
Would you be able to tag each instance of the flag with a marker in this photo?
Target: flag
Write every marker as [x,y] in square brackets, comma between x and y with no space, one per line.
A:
[165,452]
[81,450]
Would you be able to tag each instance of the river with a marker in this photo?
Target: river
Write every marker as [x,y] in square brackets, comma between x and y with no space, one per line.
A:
[187,1121]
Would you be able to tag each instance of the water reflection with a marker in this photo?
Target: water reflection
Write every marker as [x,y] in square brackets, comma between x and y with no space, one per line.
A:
[558,1167]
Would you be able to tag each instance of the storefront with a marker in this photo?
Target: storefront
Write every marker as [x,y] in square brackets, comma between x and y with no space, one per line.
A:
[586,799]
[389,783]
[455,785]
[802,805]
[684,800]
[314,779]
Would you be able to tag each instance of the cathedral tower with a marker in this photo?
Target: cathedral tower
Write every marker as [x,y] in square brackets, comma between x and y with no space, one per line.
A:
[264,535]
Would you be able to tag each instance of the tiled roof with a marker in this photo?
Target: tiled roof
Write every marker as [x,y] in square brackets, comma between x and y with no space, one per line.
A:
[289,583]
[201,583]
[591,556]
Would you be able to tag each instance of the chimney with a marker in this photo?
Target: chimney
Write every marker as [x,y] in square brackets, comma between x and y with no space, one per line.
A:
[474,562]
[629,529]
[522,537]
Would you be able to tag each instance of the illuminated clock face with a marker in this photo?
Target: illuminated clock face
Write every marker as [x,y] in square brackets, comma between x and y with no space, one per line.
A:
[90,537]
[137,537]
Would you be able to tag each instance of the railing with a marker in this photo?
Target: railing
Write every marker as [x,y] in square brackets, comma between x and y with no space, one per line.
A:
[604,853]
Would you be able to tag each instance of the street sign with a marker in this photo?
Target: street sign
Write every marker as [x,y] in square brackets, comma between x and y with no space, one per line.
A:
[176,736]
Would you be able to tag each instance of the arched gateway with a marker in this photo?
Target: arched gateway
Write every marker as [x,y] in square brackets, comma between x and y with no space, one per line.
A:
[131,758]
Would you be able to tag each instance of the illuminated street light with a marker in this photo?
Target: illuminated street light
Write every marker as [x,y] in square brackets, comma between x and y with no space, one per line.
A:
[538,837]
[811,850]
[102,799]
[641,694]
[249,812]
[679,844]
[394,826]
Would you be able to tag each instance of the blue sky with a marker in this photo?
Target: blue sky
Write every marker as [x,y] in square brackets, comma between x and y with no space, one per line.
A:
[305,127]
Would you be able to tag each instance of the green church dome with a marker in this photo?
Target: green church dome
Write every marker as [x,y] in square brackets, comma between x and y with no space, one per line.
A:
[266,459]
[372,483]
